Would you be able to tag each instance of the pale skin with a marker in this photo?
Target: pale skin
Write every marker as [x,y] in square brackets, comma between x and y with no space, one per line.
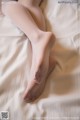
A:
[29,18]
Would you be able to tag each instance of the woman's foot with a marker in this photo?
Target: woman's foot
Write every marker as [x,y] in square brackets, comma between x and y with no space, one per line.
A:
[41,66]
[34,90]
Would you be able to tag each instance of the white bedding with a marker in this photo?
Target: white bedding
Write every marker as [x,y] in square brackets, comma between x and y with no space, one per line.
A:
[61,97]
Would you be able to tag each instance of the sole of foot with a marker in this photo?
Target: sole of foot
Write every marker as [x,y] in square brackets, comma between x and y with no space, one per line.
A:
[36,86]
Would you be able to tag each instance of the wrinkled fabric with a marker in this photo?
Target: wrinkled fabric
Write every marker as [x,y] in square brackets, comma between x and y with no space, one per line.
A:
[61,97]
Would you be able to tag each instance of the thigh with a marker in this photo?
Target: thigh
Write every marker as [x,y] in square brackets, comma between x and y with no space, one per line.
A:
[5,3]
[36,13]
[38,16]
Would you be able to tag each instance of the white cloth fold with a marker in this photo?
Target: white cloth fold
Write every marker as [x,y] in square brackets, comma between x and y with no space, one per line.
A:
[61,97]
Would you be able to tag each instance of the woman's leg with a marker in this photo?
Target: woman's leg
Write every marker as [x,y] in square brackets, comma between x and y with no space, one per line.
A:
[22,18]
[41,44]
[35,12]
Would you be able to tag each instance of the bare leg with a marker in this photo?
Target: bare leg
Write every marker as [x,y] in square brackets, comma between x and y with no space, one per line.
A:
[35,12]
[22,18]
[41,45]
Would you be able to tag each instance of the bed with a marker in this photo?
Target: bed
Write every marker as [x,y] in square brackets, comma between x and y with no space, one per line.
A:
[61,97]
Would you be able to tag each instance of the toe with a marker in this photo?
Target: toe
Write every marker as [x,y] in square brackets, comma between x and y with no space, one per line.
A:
[28,92]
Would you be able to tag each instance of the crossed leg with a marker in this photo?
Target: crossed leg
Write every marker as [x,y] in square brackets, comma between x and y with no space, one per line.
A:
[30,20]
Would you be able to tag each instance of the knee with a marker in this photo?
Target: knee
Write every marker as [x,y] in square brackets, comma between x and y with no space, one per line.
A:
[6,7]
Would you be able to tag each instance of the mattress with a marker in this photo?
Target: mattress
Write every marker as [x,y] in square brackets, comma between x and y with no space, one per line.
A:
[61,97]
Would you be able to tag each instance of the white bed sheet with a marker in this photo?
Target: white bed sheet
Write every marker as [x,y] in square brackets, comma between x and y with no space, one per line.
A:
[61,97]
